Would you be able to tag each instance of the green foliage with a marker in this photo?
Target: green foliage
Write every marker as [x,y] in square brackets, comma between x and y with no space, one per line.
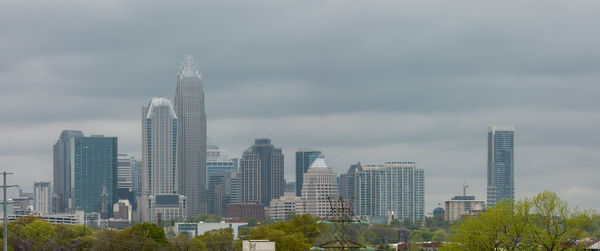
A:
[544,222]
[299,233]
[184,243]
[218,239]
[252,222]
[208,218]
[440,235]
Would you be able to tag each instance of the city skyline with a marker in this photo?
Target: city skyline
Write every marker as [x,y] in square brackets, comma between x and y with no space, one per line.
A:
[420,83]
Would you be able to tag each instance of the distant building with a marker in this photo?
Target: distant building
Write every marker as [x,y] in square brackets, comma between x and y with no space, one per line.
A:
[199,228]
[347,182]
[23,205]
[289,189]
[63,169]
[320,185]
[218,162]
[223,188]
[124,173]
[136,175]
[396,187]
[166,207]
[95,171]
[42,197]
[304,158]
[460,205]
[75,218]
[286,206]
[262,168]
[258,245]
[249,209]
[159,163]
[122,210]
[438,211]
[501,165]
[191,132]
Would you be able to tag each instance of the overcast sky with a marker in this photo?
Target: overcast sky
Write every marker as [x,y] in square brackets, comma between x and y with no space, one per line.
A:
[367,81]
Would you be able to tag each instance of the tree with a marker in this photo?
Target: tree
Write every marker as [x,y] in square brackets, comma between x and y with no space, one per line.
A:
[252,222]
[184,243]
[218,239]
[439,235]
[208,218]
[143,236]
[544,222]
[555,226]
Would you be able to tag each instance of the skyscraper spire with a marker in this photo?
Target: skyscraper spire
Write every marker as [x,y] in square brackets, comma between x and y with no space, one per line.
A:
[189,67]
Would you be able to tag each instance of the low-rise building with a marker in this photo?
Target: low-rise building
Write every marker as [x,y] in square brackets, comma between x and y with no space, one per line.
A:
[461,205]
[250,209]
[195,229]
[258,245]
[285,206]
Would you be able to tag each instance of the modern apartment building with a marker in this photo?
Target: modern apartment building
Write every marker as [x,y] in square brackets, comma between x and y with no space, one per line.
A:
[42,197]
[501,164]
[390,188]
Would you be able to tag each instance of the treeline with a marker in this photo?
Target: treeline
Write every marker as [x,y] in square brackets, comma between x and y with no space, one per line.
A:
[544,222]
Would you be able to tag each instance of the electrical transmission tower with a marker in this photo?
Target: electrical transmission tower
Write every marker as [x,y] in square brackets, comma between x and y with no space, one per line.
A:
[341,218]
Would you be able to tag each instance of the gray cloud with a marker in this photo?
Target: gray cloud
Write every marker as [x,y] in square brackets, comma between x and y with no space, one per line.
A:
[363,81]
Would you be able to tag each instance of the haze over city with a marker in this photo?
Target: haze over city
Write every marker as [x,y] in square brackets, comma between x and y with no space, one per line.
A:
[412,81]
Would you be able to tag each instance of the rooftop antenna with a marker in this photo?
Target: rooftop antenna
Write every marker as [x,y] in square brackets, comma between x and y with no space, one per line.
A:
[465,186]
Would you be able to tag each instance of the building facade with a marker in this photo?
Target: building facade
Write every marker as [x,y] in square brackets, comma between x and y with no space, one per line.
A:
[42,197]
[320,186]
[304,158]
[191,154]
[347,182]
[63,166]
[285,207]
[159,163]
[223,188]
[501,165]
[390,188]
[249,209]
[262,168]
[95,173]
[458,206]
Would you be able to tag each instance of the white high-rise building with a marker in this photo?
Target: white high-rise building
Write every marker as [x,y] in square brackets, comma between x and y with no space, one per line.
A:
[42,197]
[159,163]
[392,188]
[318,187]
[286,206]
[191,146]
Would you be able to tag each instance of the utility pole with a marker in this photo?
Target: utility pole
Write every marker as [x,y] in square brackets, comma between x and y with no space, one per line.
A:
[4,204]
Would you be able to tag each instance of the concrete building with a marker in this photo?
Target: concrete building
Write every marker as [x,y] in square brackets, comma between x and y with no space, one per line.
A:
[191,148]
[76,218]
[458,206]
[396,187]
[501,165]
[42,197]
[319,186]
[63,166]
[159,163]
[304,158]
[262,168]
[286,206]
[223,188]
[249,209]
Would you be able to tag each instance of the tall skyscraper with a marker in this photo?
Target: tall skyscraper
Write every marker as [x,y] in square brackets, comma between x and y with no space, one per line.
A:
[320,185]
[218,161]
[42,197]
[501,165]
[95,172]
[191,154]
[63,166]
[347,182]
[262,168]
[304,158]
[159,162]
[391,188]
[136,175]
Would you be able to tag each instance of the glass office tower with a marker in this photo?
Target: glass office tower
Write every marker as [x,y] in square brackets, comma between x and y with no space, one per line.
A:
[304,158]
